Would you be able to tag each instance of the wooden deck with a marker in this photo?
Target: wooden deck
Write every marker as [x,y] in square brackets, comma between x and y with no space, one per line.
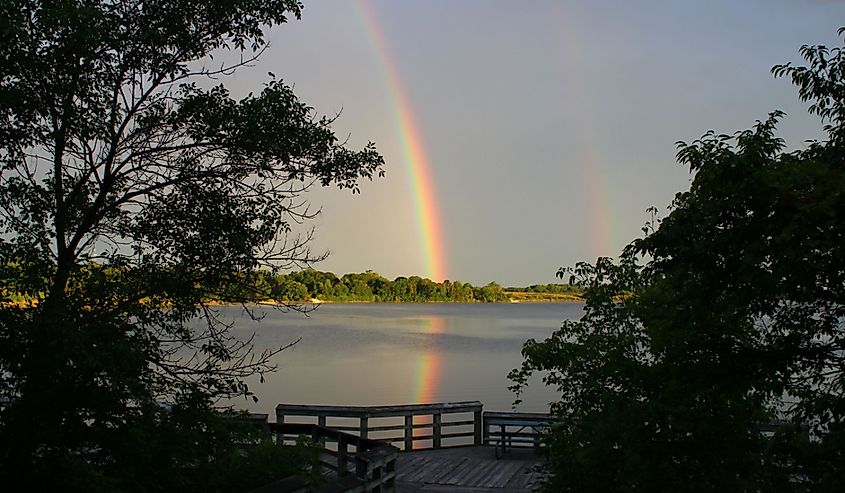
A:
[466,469]
[445,446]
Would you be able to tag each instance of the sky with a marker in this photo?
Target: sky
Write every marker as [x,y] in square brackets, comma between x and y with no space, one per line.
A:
[524,136]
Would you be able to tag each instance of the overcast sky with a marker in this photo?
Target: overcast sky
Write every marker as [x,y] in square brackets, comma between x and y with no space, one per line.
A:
[550,126]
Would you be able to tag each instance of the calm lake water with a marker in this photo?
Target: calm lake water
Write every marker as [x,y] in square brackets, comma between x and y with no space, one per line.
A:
[380,354]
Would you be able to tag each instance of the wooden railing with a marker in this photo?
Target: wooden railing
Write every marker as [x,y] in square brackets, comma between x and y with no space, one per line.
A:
[361,464]
[416,426]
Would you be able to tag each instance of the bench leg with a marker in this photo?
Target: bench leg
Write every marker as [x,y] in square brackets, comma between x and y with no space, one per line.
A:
[502,441]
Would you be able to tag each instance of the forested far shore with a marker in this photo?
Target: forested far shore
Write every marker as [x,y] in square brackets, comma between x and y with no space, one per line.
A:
[310,285]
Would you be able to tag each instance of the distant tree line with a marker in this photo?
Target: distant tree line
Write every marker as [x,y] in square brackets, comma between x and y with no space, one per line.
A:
[370,286]
[549,289]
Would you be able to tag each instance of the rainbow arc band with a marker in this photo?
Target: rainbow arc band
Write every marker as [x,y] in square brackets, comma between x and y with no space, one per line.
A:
[413,150]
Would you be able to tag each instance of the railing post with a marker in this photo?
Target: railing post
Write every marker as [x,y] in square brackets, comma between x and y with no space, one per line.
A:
[436,430]
[315,436]
[280,437]
[342,457]
[360,467]
[409,432]
[390,469]
[364,426]
[377,479]
[321,422]
[478,439]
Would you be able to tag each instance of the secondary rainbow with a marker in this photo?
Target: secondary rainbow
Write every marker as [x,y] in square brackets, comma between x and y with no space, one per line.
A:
[602,222]
[413,150]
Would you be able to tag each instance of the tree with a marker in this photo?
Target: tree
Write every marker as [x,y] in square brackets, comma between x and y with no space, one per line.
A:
[292,291]
[491,293]
[132,196]
[735,318]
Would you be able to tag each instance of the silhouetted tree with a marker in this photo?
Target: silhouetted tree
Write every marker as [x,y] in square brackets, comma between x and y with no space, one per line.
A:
[736,318]
[131,196]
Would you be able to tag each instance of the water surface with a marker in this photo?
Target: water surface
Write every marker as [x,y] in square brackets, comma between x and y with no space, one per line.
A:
[381,354]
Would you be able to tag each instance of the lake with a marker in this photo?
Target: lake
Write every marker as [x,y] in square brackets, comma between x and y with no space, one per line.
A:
[382,354]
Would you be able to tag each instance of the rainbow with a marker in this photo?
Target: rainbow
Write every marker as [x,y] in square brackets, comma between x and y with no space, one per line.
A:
[413,150]
[601,221]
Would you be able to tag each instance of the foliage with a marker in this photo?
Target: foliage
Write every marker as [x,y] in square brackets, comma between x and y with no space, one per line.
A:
[309,284]
[132,197]
[186,447]
[265,462]
[549,288]
[369,286]
[735,318]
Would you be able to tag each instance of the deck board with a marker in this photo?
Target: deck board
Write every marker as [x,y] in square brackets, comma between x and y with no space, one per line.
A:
[481,472]
[461,476]
[466,469]
[502,475]
[447,470]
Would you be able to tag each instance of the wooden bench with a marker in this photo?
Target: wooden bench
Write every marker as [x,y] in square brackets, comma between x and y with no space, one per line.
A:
[506,430]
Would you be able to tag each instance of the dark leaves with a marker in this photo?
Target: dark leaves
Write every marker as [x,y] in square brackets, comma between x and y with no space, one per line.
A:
[130,201]
[735,317]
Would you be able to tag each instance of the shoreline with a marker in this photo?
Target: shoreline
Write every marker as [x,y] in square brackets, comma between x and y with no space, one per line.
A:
[316,301]
[358,302]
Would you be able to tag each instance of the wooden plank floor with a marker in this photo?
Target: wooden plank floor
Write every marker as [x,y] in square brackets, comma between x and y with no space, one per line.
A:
[466,469]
